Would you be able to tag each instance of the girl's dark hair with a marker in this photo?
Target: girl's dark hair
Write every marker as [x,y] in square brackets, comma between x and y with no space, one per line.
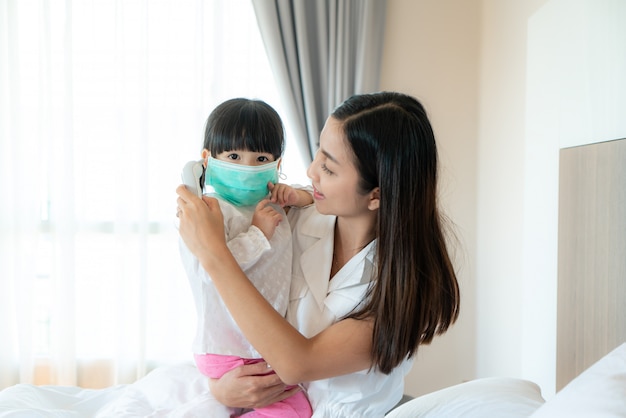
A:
[246,124]
[416,294]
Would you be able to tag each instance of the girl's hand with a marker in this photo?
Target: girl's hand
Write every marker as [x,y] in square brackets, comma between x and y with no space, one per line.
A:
[250,387]
[266,218]
[285,195]
[201,222]
[282,194]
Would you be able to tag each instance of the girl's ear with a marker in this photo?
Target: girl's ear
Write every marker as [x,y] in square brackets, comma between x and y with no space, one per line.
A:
[280,161]
[205,156]
[374,202]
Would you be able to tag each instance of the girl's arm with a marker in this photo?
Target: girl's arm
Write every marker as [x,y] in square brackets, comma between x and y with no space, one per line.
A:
[340,349]
[250,245]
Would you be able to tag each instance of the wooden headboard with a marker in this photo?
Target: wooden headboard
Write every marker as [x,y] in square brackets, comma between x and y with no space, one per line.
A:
[592,256]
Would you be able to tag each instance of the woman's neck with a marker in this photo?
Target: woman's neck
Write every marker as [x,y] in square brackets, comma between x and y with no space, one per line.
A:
[351,236]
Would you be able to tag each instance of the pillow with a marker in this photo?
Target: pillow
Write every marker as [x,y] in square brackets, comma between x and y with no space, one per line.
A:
[499,397]
[598,392]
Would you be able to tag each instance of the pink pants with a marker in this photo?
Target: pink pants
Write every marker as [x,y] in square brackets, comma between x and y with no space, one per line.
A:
[215,365]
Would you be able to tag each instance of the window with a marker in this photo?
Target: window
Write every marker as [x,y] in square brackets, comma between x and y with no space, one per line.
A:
[106,101]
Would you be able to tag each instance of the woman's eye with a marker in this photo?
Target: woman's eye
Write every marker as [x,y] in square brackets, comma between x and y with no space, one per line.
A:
[325,169]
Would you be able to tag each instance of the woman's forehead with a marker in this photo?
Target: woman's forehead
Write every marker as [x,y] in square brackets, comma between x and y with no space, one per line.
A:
[332,141]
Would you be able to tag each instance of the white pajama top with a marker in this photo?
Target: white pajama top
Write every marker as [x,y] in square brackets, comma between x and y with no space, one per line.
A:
[315,303]
[266,263]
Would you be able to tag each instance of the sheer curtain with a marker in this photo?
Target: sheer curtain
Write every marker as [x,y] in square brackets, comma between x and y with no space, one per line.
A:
[101,104]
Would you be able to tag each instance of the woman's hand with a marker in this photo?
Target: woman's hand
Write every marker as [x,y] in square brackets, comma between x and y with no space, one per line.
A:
[250,387]
[201,222]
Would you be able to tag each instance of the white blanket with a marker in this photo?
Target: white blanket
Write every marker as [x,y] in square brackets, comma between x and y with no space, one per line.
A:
[173,391]
[180,391]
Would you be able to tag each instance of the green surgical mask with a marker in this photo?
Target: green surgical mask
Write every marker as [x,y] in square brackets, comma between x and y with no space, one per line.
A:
[241,185]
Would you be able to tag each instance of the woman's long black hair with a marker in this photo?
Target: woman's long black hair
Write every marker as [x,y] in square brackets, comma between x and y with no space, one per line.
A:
[415,294]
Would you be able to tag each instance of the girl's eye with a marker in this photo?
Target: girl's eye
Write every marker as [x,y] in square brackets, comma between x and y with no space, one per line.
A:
[262,159]
[325,169]
[233,156]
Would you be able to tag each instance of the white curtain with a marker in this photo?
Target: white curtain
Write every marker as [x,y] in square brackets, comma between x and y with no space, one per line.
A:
[101,104]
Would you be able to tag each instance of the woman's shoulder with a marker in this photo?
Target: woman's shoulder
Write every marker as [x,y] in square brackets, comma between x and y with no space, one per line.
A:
[297,214]
[307,218]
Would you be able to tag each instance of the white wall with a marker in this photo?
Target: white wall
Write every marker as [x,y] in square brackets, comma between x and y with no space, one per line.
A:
[561,84]
[500,209]
[507,83]
[431,52]
[576,94]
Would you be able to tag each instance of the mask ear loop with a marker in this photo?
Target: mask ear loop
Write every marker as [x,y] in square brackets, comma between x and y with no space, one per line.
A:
[281,175]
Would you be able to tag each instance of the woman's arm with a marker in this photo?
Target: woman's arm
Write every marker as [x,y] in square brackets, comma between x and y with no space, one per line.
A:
[340,349]
[250,387]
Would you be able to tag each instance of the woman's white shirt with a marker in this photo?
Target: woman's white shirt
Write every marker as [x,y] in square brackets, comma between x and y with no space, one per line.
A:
[315,303]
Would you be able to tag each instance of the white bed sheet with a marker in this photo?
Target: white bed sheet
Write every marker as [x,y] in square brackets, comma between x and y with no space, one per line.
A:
[172,391]
[181,391]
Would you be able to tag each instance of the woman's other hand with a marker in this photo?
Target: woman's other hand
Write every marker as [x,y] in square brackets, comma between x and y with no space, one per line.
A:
[250,387]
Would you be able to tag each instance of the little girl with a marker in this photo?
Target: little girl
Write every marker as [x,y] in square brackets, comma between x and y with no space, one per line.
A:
[243,144]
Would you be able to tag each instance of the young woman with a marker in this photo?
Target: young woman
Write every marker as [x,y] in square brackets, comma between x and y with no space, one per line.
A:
[372,277]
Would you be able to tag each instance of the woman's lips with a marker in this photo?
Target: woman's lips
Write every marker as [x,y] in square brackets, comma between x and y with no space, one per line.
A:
[316,194]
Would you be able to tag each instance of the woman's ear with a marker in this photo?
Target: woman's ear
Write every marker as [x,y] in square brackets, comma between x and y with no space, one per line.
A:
[374,202]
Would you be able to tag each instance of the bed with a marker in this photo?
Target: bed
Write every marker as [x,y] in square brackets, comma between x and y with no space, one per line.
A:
[177,391]
[591,330]
[598,392]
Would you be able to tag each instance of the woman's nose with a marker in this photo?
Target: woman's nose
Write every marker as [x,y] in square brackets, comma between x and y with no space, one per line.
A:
[310,171]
